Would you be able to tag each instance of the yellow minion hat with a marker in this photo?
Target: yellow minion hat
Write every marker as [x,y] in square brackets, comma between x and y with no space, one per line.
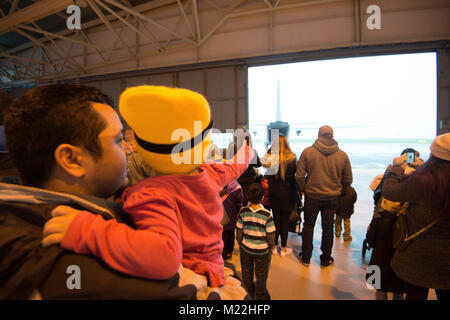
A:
[171,126]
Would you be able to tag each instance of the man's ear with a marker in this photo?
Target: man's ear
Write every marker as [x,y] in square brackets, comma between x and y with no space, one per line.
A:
[70,159]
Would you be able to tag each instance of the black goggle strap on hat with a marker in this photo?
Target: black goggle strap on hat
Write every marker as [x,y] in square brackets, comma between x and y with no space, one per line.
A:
[167,148]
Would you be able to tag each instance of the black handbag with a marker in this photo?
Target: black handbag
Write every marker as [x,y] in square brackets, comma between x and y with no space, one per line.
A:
[295,219]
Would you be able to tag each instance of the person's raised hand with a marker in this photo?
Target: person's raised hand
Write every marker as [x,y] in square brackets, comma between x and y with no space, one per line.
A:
[240,137]
[408,170]
[400,161]
[56,227]
[417,163]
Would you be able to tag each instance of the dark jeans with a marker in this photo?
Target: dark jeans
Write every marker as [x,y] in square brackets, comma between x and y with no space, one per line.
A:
[418,293]
[228,242]
[311,209]
[281,221]
[258,265]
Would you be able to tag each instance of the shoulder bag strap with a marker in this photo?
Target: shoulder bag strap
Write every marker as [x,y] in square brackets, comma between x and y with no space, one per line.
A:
[421,231]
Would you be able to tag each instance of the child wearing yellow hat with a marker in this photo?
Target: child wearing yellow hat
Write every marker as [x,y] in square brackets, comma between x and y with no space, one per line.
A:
[178,212]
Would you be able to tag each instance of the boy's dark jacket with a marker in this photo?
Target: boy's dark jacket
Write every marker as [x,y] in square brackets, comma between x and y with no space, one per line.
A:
[379,238]
[346,202]
[26,266]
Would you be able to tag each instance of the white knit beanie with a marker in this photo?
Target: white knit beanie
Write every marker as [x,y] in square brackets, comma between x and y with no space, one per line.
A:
[440,147]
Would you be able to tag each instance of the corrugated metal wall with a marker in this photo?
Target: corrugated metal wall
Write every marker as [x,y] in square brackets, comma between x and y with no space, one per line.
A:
[225,89]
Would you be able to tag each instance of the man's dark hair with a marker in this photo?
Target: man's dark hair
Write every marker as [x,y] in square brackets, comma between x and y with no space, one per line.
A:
[255,193]
[46,117]
[5,102]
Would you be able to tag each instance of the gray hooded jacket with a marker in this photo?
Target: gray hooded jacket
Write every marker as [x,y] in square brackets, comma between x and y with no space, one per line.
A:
[323,170]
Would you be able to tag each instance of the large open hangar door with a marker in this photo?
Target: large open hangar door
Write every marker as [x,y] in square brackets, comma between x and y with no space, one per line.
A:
[378,106]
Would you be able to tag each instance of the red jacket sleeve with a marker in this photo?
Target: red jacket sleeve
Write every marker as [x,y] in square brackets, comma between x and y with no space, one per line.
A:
[224,173]
[154,251]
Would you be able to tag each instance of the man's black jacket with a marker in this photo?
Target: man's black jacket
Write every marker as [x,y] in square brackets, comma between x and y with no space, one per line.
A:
[27,267]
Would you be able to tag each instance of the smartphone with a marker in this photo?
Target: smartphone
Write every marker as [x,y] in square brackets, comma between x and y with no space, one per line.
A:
[411,156]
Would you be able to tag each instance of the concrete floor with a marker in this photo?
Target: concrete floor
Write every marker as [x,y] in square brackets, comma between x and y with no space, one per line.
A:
[344,280]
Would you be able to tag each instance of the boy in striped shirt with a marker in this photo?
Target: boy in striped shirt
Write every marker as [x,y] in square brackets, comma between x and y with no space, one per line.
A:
[255,232]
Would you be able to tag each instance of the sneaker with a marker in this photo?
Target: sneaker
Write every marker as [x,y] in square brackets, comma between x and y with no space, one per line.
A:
[327,263]
[274,250]
[348,238]
[285,253]
[304,261]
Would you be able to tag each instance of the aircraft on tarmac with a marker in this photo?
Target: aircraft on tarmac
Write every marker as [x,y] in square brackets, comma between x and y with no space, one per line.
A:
[263,132]
[286,128]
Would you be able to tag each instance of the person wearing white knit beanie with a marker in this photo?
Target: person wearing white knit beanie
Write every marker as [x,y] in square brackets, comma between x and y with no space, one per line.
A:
[440,147]
[421,261]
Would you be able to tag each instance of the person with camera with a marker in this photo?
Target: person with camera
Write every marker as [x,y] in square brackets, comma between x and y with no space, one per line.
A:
[423,259]
[379,232]
[251,174]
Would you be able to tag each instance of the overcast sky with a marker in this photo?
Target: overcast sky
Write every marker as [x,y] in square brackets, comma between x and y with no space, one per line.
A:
[377,97]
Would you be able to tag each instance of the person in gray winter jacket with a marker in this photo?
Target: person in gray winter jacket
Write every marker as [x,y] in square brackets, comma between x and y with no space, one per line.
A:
[323,171]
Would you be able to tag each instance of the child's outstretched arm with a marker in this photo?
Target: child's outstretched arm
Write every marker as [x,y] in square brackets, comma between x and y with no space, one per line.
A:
[225,173]
[153,253]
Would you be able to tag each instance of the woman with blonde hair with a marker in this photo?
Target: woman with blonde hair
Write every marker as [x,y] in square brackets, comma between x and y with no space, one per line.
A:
[281,163]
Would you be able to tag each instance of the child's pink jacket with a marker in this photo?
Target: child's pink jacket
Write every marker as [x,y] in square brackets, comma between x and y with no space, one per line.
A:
[178,220]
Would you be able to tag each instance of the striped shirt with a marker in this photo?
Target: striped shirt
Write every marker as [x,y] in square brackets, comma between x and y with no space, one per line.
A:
[256,225]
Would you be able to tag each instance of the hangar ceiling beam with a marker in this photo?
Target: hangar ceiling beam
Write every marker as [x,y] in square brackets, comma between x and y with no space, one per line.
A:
[32,13]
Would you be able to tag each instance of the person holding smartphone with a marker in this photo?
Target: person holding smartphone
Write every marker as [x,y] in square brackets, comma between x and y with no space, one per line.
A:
[413,159]
[423,263]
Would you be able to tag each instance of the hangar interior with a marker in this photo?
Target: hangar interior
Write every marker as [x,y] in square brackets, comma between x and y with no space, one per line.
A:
[207,46]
